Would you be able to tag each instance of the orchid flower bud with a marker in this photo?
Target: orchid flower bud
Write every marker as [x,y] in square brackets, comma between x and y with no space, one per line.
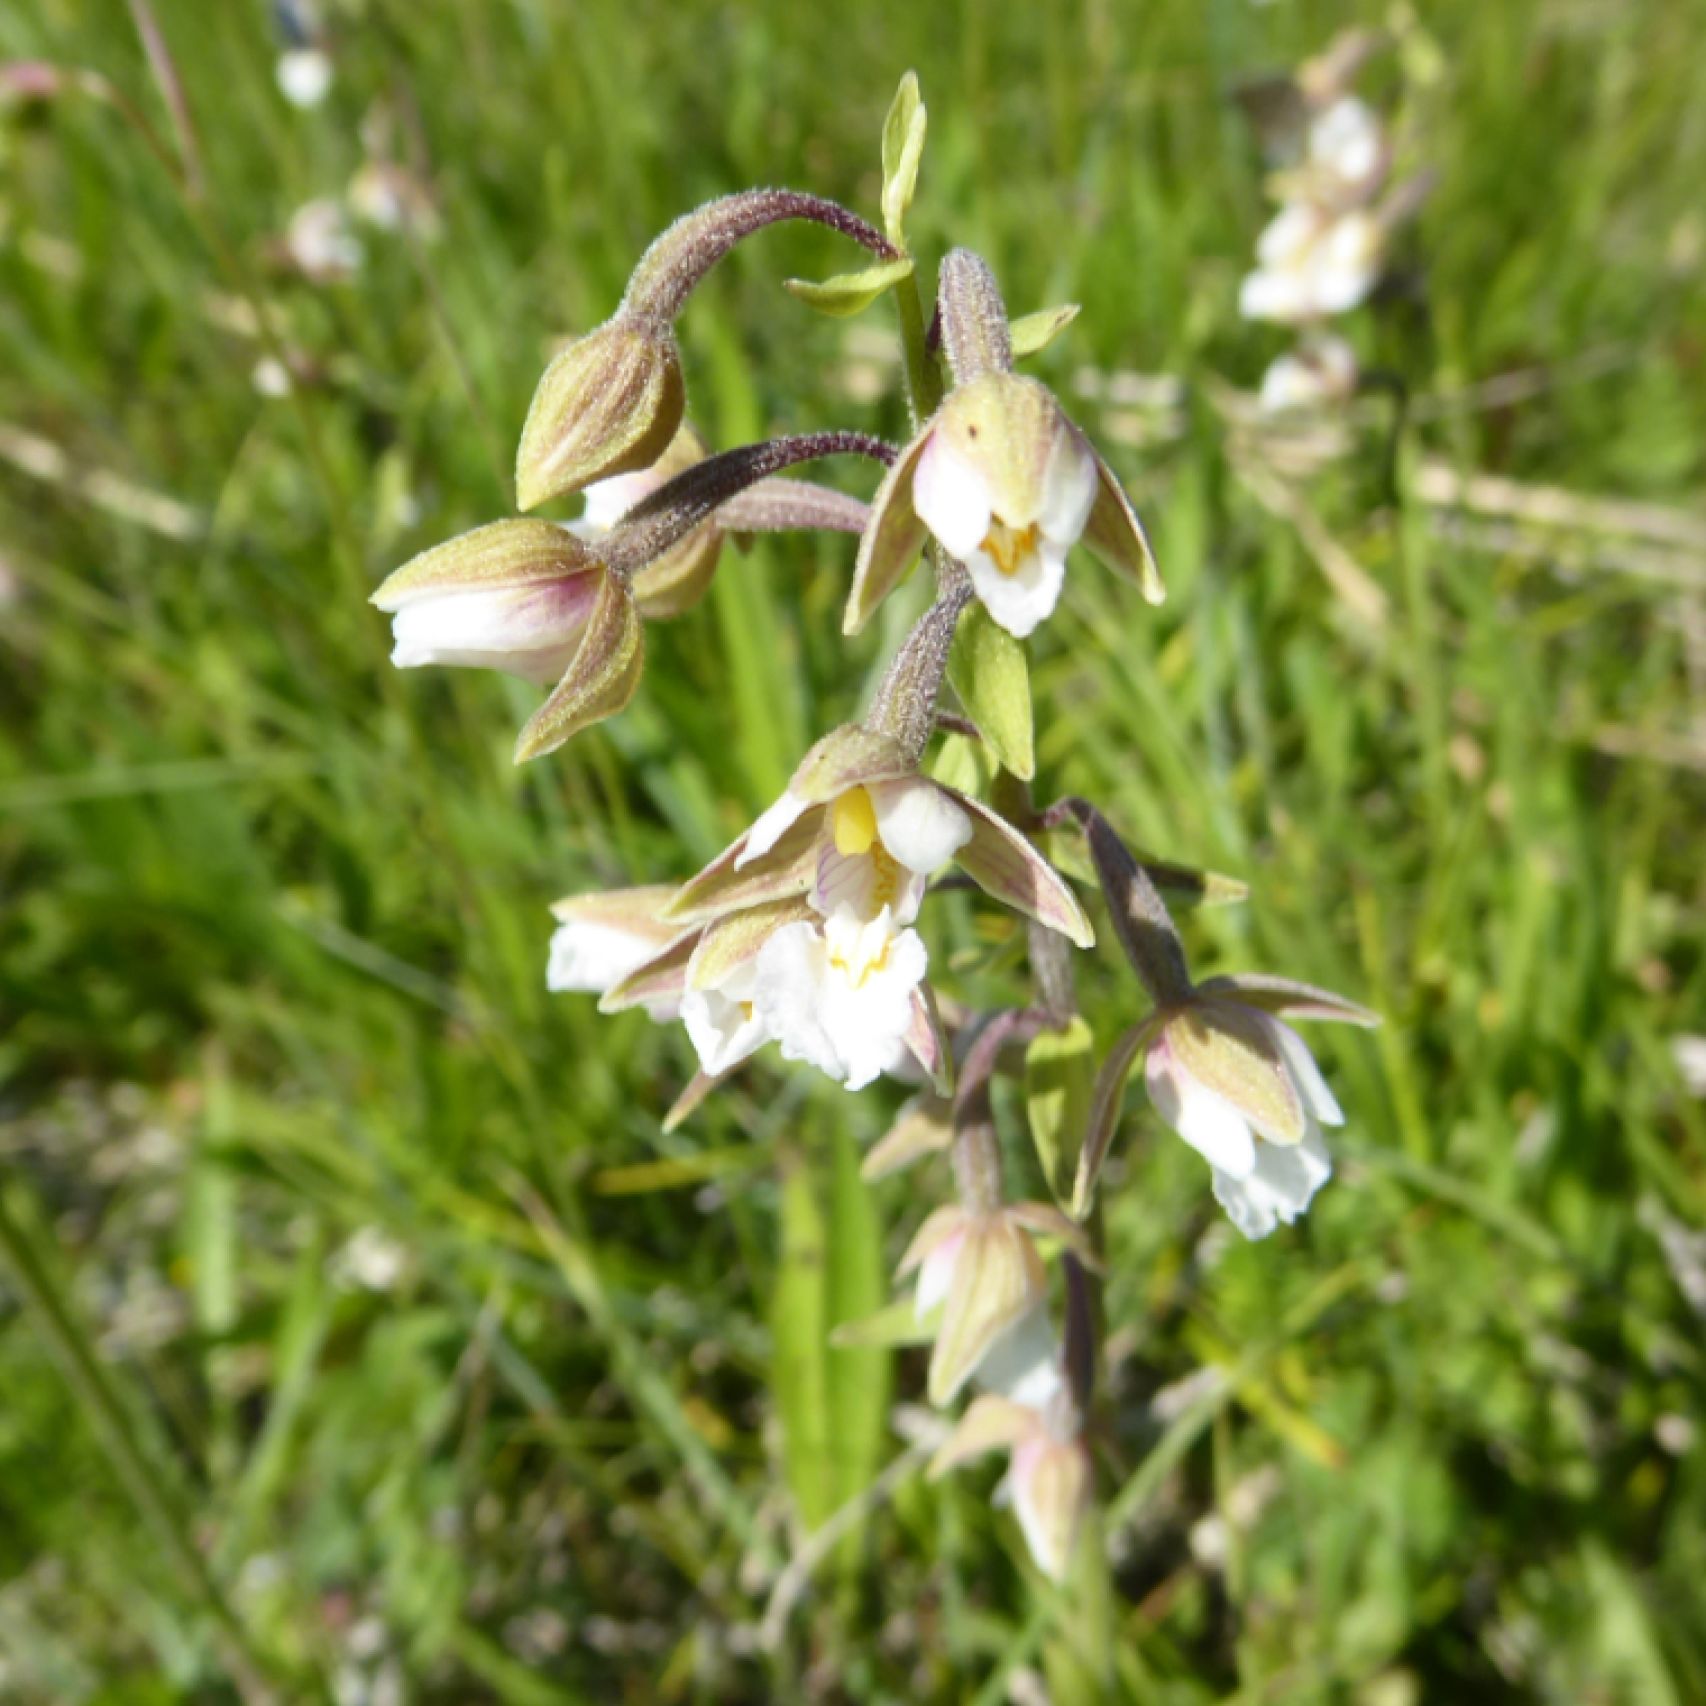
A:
[982,1269]
[608,403]
[527,598]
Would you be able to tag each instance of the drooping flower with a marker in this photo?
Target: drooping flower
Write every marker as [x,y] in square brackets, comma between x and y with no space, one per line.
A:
[1346,153]
[1240,1086]
[859,827]
[527,598]
[1008,485]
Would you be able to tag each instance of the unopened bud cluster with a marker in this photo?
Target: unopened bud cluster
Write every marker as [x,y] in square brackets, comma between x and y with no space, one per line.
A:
[813,930]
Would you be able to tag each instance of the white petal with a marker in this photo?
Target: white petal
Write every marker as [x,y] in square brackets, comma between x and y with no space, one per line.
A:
[595,957]
[607,501]
[304,76]
[1019,601]
[860,884]
[1312,1088]
[1284,1180]
[1289,235]
[951,497]
[1206,1121]
[866,1001]
[1345,140]
[791,969]
[771,826]
[530,631]
[725,1024]
[1024,1363]
[918,824]
[1269,295]
[1069,489]
[936,1275]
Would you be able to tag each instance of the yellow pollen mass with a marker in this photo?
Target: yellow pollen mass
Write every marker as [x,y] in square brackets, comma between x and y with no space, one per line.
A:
[853,823]
[1008,547]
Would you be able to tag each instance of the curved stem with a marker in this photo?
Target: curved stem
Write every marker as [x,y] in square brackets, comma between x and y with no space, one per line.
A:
[671,269]
[905,702]
[675,509]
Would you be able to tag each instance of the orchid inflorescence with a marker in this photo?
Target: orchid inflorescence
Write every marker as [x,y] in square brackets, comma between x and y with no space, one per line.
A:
[805,932]
[1325,251]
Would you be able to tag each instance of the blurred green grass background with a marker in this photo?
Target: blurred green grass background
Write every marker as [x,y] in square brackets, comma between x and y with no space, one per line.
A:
[364,1312]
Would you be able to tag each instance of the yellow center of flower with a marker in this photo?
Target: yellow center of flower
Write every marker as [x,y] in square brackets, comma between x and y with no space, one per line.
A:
[853,823]
[859,972]
[1008,547]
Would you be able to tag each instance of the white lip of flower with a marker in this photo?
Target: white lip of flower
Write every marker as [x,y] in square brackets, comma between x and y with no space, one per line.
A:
[590,956]
[1345,142]
[529,631]
[839,995]
[1017,564]
[607,501]
[1263,1173]
[1321,370]
[882,840]
[724,1022]
[1312,263]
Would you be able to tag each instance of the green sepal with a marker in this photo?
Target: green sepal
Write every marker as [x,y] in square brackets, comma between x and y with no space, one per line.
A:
[903,149]
[1032,333]
[988,670]
[849,293]
[1060,1078]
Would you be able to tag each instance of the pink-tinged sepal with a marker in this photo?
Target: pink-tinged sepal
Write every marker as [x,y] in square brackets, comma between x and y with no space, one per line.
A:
[1005,865]
[928,1043]
[892,539]
[600,679]
[1287,998]
[1116,536]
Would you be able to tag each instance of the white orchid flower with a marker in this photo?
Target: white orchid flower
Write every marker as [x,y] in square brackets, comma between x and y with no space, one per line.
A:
[529,599]
[1346,148]
[1008,485]
[839,993]
[1312,263]
[859,828]
[1240,1086]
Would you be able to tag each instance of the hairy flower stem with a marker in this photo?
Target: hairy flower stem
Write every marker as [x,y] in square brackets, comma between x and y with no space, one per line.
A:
[974,318]
[671,269]
[675,509]
[1140,916]
[905,703]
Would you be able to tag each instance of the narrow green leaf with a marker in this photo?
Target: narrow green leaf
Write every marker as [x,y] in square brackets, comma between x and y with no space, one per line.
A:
[849,293]
[988,670]
[903,148]
[797,1326]
[1031,333]
[859,1376]
[1060,1076]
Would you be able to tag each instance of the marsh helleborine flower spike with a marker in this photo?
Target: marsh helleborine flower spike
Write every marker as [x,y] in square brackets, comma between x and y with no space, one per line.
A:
[999,475]
[527,598]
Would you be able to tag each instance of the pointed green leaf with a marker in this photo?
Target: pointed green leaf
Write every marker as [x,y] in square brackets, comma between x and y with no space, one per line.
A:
[849,293]
[1031,333]
[1060,1075]
[988,670]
